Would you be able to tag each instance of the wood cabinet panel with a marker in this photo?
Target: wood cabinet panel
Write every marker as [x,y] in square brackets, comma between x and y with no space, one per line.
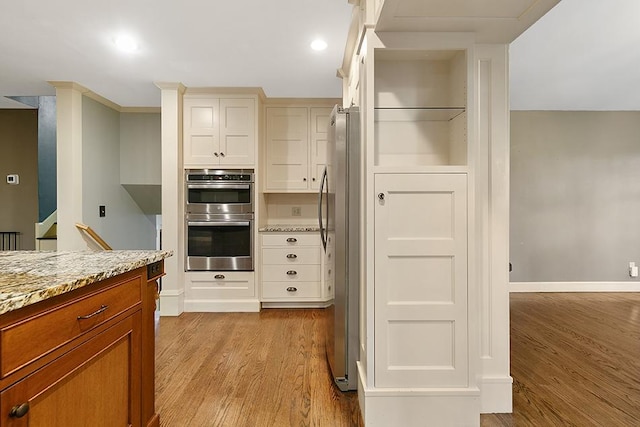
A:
[60,325]
[95,384]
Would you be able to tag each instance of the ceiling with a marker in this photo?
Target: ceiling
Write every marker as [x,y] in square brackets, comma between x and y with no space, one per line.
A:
[254,43]
[582,55]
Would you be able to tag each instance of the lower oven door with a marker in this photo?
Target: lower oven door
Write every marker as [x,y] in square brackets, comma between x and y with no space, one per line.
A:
[219,242]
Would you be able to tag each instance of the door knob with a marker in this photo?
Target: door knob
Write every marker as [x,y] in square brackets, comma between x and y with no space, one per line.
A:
[381,197]
[19,411]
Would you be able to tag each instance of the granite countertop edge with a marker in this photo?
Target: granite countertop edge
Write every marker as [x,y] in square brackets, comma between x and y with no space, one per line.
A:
[28,277]
[288,228]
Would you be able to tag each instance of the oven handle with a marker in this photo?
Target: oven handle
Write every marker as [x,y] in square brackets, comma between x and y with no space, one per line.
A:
[219,186]
[218,223]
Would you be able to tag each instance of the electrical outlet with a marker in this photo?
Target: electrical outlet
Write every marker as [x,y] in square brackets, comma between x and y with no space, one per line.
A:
[296,211]
[633,269]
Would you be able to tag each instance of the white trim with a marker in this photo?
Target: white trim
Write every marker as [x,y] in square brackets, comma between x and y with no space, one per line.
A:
[409,407]
[574,286]
[226,305]
[495,395]
[171,302]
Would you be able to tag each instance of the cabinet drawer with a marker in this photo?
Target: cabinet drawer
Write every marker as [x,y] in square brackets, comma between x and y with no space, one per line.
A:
[220,284]
[291,239]
[295,290]
[291,273]
[291,256]
[34,337]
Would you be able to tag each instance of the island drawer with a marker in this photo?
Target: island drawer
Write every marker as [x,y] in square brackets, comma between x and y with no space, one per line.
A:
[29,339]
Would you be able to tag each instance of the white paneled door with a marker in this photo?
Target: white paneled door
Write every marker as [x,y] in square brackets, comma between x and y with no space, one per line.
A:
[421,280]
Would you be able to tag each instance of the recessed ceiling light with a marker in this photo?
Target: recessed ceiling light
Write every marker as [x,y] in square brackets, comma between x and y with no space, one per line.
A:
[318,44]
[126,43]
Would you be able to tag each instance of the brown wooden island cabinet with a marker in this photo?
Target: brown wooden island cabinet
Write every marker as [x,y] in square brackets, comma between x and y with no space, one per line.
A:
[84,357]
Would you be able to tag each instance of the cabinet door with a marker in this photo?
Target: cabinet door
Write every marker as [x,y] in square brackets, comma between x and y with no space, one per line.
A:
[318,149]
[96,384]
[237,131]
[201,132]
[421,280]
[287,148]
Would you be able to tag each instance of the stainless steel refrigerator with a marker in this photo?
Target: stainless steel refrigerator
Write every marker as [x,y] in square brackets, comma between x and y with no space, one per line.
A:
[339,217]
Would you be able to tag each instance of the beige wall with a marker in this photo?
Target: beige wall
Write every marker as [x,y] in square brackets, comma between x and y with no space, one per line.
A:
[19,155]
[575,195]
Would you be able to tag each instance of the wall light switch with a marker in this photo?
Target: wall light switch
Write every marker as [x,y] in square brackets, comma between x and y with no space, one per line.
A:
[102,211]
[13,179]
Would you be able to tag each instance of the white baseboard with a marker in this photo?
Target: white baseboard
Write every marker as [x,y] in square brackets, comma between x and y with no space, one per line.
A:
[226,306]
[496,395]
[574,287]
[171,302]
[411,407]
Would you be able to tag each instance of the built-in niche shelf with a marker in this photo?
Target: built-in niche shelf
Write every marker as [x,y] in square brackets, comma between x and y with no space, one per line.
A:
[420,108]
[417,114]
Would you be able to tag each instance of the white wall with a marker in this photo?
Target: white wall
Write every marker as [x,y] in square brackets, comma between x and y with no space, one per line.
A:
[140,148]
[575,196]
[124,226]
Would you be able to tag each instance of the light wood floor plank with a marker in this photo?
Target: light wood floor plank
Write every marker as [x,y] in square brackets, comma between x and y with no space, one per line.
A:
[574,360]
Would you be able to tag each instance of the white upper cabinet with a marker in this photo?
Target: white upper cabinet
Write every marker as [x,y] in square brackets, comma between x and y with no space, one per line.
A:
[219,131]
[295,147]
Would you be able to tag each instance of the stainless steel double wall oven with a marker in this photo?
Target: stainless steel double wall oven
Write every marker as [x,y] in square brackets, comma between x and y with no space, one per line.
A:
[219,219]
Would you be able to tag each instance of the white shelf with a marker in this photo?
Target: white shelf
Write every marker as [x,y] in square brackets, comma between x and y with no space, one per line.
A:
[416,114]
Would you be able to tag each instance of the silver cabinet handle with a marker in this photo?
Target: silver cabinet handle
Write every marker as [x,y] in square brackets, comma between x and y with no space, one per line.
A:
[292,240]
[381,196]
[292,289]
[219,276]
[291,273]
[95,313]
[292,256]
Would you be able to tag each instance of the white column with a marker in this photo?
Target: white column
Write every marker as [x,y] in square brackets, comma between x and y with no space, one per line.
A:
[69,164]
[172,294]
[492,212]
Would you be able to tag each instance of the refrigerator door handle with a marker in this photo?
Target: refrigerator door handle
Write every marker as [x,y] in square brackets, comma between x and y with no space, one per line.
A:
[323,235]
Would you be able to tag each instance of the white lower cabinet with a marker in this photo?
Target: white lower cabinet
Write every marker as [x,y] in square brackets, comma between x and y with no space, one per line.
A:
[292,270]
[220,291]
[421,281]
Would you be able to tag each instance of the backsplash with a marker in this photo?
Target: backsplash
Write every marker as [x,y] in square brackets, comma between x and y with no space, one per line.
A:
[282,209]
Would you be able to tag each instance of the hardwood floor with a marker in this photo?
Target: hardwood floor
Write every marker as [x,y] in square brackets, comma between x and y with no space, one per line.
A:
[574,360]
[248,369]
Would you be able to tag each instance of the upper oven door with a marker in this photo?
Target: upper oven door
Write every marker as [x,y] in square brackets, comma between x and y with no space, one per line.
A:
[219,198]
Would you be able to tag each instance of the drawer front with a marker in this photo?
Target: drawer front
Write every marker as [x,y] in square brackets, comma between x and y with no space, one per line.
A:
[221,284]
[291,256]
[291,239]
[291,273]
[36,336]
[283,290]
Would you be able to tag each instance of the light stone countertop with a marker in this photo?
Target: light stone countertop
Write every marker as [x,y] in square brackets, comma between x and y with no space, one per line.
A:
[27,277]
[288,228]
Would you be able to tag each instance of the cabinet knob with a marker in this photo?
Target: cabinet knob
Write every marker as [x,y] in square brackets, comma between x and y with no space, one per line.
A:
[304,179]
[219,276]
[216,154]
[313,179]
[221,154]
[291,273]
[291,240]
[292,256]
[19,411]
[292,289]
